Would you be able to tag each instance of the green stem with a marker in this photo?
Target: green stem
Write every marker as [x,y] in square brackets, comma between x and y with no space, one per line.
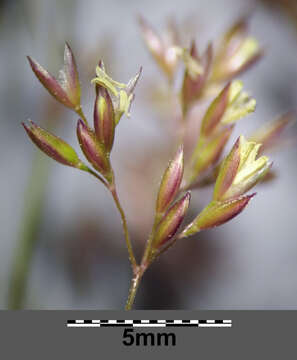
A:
[111,187]
[97,176]
[149,256]
[80,113]
[125,227]
[135,282]
[139,270]
[148,249]
[165,248]
[28,232]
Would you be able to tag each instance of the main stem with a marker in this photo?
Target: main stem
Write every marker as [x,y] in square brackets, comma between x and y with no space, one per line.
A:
[145,262]
[149,256]
[137,270]
[147,259]
[135,282]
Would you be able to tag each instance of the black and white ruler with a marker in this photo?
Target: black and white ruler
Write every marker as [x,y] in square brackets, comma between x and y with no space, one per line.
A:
[149,323]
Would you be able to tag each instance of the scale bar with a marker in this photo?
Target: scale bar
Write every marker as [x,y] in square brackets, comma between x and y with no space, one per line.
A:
[150,323]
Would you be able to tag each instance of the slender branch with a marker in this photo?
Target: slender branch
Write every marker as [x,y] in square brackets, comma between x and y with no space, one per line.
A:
[170,244]
[80,113]
[148,249]
[132,259]
[165,248]
[111,187]
[97,176]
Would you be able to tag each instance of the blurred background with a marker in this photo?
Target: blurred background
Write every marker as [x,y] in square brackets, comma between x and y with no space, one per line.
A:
[60,230]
